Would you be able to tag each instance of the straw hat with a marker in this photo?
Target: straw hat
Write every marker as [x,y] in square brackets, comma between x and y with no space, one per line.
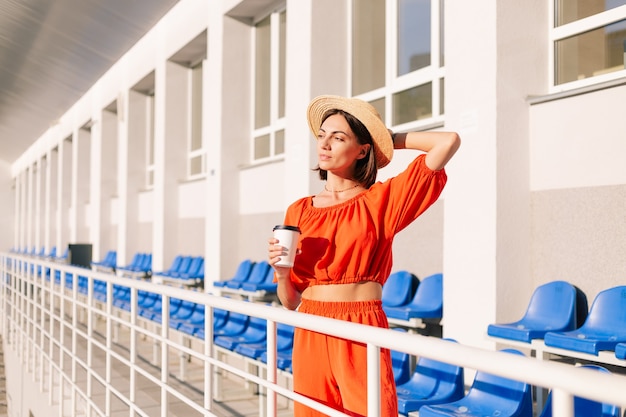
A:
[362,110]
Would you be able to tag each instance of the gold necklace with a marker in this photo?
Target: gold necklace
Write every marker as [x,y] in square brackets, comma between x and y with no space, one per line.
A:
[340,191]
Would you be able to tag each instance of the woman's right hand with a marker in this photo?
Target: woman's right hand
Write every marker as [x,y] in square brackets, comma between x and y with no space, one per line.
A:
[275,252]
[287,293]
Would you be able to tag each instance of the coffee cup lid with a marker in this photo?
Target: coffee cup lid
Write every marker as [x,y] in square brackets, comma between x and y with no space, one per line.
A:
[287,227]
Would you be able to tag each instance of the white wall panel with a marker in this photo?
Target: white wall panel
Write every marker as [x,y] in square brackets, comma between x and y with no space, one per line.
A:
[256,184]
[579,141]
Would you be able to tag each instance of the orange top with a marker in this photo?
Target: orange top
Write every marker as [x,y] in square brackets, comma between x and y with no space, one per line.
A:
[351,242]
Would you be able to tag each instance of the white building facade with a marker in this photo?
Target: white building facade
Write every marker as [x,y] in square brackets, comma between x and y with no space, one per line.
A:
[196,140]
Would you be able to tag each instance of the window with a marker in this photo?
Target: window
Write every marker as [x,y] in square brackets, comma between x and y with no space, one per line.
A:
[196,160]
[269,86]
[150,141]
[397,59]
[589,41]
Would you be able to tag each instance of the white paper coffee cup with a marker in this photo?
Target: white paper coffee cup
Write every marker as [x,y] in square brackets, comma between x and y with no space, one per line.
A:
[288,238]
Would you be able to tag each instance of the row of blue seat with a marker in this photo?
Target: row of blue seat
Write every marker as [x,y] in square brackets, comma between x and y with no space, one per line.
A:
[437,390]
[240,333]
[557,313]
[42,253]
[405,297]
[185,269]
[109,262]
[250,277]
[140,265]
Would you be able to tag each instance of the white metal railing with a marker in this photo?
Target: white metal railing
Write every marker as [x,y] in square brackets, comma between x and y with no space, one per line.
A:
[47,324]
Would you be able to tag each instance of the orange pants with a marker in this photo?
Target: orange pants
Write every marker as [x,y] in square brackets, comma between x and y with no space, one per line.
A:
[333,370]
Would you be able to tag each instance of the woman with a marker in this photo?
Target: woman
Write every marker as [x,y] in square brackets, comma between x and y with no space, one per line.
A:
[345,247]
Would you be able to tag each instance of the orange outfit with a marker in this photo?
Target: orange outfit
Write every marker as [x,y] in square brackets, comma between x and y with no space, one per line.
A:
[349,243]
[332,370]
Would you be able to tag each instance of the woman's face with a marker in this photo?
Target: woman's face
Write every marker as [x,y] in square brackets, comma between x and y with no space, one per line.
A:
[338,148]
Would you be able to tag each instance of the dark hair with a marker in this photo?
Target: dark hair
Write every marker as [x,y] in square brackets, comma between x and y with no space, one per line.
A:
[366,170]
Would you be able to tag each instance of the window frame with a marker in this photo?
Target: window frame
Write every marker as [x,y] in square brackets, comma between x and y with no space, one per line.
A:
[201,151]
[433,73]
[150,108]
[277,123]
[578,27]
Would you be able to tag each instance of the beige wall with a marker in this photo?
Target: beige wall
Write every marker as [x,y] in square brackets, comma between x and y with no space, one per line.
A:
[579,235]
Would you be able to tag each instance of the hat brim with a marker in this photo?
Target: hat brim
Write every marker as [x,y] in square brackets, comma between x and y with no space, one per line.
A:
[362,110]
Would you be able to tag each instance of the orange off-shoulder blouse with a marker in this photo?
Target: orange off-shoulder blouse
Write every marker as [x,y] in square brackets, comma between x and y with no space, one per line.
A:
[351,242]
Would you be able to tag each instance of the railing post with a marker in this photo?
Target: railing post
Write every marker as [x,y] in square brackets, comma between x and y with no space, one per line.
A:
[271,372]
[373,380]
[165,363]
[562,403]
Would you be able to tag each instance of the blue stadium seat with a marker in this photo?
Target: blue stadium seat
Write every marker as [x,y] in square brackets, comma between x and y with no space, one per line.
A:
[604,328]
[148,301]
[176,304]
[399,289]
[53,252]
[241,275]
[108,262]
[257,275]
[426,304]
[489,395]
[284,347]
[195,271]
[140,266]
[584,407]
[174,267]
[183,268]
[182,314]
[220,320]
[235,324]
[255,332]
[267,283]
[552,307]
[620,351]
[432,382]
[134,263]
[284,341]
[196,322]
[400,363]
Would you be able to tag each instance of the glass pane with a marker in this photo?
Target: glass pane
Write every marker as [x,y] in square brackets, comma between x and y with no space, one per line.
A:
[591,53]
[262,147]
[150,129]
[282,64]
[413,35]
[442,106]
[413,104]
[195,165]
[262,74]
[570,10]
[441,32]
[196,108]
[368,45]
[379,105]
[279,142]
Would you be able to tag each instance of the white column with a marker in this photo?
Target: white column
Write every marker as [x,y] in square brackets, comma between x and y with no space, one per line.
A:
[47,205]
[299,149]
[212,98]
[95,189]
[487,202]
[37,211]
[30,241]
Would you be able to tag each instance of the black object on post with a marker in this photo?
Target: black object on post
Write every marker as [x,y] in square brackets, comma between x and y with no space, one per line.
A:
[79,254]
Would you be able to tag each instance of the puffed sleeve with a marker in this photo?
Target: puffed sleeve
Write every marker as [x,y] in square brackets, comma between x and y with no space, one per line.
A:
[407,195]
